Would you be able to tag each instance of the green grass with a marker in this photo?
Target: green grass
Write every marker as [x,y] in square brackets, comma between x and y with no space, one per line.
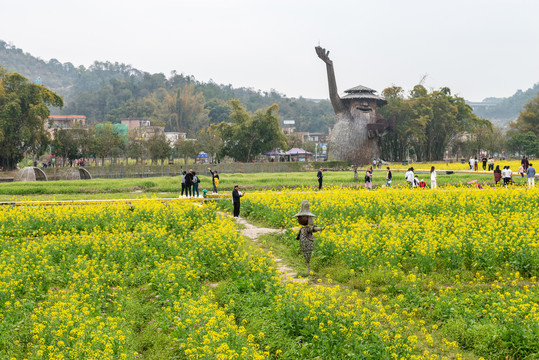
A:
[170,186]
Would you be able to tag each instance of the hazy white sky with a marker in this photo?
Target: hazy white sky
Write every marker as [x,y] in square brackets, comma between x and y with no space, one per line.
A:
[478,48]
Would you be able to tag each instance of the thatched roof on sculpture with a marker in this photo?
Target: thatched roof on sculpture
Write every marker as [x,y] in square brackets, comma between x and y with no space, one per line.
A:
[363,92]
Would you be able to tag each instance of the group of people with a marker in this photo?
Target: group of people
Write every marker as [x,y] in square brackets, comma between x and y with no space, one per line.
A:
[506,175]
[414,182]
[474,163]
[190,182]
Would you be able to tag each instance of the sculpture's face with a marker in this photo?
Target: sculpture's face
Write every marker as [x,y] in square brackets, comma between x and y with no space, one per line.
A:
[360,108]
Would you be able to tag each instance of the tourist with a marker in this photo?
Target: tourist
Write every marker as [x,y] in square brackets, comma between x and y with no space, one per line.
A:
[388,177]
[491,164]
[484,160]
[320,177]
[416,181]
[476,164]
[506,175]
[196,181]
[471,162]
[368,178]
[183,183]
[530,173]
[526,164]
[214,180]
[432,178]
[409,176]
[422,184]
[521,170]
[497,175]
[188,183]
[236,195]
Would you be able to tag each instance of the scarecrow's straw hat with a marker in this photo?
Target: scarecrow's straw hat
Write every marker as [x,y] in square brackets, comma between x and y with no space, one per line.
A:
[305,211]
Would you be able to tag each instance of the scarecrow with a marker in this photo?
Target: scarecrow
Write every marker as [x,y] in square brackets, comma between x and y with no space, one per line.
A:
[305,234]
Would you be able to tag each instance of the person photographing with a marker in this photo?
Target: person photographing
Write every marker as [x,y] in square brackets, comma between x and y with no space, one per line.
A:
[236,195]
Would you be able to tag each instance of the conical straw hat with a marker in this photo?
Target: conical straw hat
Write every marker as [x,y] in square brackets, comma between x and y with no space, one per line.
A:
[305,211]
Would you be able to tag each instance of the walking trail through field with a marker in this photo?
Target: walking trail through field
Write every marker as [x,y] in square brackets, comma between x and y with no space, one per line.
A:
[253,232]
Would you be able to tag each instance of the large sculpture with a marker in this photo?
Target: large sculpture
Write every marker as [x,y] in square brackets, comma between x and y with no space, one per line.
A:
[358,124]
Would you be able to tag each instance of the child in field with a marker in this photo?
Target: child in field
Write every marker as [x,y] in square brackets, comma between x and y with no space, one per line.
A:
[422,184]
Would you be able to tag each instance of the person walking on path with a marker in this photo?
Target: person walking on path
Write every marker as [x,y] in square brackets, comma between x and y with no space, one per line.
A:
[196,181]
[476,164]
[530,174]
[188,182]
[214,180]
[305,234]
[320,177]
[484,160]
[183,183]
[472,161]
[368,178]
[236,195]
[389,176]
[433,183]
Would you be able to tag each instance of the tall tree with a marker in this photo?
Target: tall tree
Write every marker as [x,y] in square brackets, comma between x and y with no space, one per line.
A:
[105,141]
[182,110]
[528,119]
[210,141]
[248,135]
[426,123]
[23,112]
[158,148]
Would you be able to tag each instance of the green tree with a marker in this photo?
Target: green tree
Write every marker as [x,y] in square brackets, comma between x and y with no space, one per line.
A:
[105,142]
[23,112]
[158,148]
[136,146]
[528,119]
[187,148]
[426,123]
[209,140]
[524,143]
[182,110]
[66,143]
[249,136]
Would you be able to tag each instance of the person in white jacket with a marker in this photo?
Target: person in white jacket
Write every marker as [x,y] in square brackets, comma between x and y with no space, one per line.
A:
[409,176]
[432,178]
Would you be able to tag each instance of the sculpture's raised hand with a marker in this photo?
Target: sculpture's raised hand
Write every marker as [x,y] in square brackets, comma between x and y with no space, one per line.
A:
[323,54]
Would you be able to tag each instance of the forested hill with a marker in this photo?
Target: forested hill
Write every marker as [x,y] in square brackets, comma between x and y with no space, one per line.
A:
[110,91]
[501,111]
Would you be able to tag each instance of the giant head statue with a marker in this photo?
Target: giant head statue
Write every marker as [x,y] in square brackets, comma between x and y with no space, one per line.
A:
[358,123]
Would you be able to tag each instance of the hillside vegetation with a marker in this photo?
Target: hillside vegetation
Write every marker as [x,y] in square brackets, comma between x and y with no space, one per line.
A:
[108,91]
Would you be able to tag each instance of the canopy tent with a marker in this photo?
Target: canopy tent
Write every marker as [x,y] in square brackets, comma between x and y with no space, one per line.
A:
[297,151]
[299,154]
[202,155]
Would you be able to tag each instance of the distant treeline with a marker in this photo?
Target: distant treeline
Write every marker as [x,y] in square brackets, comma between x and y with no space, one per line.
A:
[108,91]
